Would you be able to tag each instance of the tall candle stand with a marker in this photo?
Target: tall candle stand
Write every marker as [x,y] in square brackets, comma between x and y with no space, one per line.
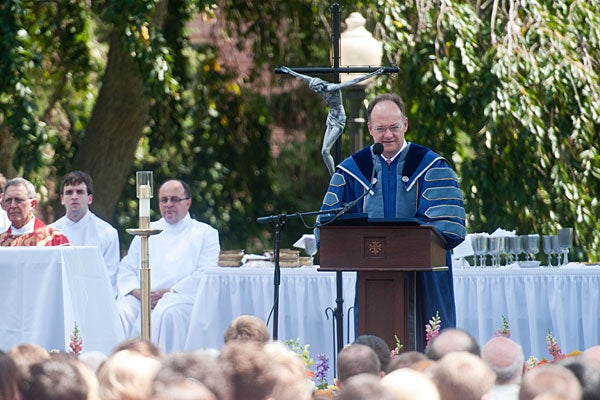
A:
[144,190]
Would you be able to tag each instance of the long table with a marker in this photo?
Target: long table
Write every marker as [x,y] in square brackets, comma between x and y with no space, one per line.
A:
[564,301]
[305,295]
[45,291]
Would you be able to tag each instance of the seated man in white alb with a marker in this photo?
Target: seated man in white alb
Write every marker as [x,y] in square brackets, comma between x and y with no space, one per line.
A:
[177,256]
[83,227]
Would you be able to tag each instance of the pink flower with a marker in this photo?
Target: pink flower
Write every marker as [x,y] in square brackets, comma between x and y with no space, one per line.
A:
[397,349]
[76,343]
[505,330]
[432,329]
[553,347]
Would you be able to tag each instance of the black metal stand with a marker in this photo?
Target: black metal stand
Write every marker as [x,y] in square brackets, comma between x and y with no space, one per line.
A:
[339,310]
[279,222]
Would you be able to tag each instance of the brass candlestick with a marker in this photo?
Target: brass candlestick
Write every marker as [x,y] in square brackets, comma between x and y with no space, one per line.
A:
[144,192]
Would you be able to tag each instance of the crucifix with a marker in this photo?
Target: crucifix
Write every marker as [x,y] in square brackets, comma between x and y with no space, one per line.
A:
[331,93]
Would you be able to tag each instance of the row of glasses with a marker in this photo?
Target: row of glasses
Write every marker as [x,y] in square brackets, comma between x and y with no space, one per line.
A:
[551,248]
[496,247]
[558,245]
[508,246]
[531,246]
[479,243]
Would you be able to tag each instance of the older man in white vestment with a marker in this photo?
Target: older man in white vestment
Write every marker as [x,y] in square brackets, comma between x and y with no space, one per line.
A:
[83,227]
[177,257]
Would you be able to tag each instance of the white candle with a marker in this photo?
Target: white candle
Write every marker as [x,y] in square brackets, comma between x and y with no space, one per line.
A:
[144,207]
[145,192]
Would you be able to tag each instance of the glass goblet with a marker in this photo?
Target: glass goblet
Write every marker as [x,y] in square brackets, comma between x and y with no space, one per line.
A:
[310,246]
[556,250]
[547,247]
[515,247]
[502,250]
[476,246]
[525,246]
[480,249]
[533,244]
[494,249]
[565,241]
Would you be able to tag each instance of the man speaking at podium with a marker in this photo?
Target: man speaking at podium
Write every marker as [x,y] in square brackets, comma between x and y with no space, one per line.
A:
[405,180]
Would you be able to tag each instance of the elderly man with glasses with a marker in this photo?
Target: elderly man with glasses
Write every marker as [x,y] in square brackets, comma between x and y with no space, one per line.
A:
[19,201]
[177,256]
[396,179]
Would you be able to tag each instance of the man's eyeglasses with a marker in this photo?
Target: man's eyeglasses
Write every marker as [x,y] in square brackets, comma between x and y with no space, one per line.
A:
[392,128]
[18,201]
[174,200]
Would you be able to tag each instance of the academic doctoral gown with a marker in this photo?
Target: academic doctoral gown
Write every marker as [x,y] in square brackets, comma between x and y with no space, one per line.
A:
[42,235]
[93,231]
[418,184]
[177,257]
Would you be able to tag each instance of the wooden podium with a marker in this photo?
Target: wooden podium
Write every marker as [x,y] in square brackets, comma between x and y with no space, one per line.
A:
[385,257]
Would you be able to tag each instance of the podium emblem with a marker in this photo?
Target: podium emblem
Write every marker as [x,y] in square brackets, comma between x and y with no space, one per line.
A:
[375,247]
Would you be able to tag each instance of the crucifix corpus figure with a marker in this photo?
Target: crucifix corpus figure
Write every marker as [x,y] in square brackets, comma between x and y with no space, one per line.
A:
[336,117]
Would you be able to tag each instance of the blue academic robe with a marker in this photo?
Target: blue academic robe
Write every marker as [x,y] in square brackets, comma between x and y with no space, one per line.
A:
[418,184]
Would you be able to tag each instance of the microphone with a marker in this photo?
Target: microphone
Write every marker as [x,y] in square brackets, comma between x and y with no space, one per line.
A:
[377,151]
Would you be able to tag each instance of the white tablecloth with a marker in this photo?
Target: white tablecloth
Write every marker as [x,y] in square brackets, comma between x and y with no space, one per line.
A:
[304,295]
[46,290]
[564,300]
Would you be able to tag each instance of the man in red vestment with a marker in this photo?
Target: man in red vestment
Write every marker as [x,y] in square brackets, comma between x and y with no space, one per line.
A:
[19,200]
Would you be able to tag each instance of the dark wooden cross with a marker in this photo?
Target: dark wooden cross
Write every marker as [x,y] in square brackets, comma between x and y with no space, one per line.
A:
[335,70]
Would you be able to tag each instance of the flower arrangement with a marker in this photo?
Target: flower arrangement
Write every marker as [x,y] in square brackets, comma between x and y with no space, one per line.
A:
[319,375]
[551,342]
[76,342]
[432,329]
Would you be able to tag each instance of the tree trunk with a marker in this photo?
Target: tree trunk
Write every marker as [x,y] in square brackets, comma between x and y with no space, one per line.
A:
[115,127]
[7,148]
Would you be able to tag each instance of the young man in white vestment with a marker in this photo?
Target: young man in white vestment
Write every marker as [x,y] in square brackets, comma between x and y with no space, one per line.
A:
[82,226]
[177,257]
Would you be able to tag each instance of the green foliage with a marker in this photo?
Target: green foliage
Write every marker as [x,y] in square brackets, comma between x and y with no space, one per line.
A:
[512,99]
[44,79]
[17,100]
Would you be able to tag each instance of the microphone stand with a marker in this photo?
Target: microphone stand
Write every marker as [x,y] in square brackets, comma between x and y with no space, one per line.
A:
[279,222]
